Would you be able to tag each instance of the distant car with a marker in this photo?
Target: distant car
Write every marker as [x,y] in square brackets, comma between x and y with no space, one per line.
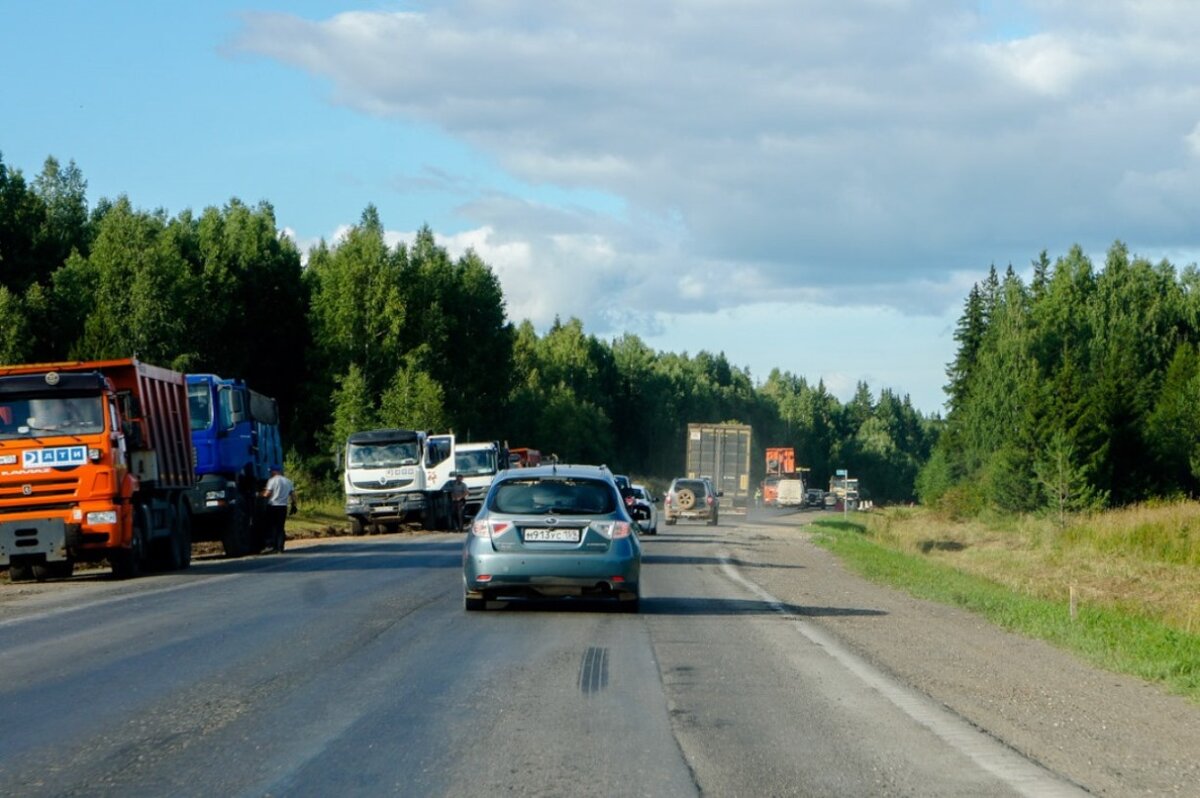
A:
[552,532]
[815,497]
[645,509]
[691,499]
[630,497]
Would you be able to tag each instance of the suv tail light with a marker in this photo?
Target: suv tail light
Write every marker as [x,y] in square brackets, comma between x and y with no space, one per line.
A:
[708,500]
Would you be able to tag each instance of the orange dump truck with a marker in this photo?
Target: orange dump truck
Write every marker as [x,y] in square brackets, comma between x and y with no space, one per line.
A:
[95,464]
[781,460]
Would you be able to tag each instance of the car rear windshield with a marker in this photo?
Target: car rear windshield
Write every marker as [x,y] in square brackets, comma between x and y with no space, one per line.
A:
[561,496]
[694,485]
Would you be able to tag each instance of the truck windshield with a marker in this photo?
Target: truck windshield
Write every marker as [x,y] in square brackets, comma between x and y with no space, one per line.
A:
[200,406]
[35,416]
[381,455]
[475,464]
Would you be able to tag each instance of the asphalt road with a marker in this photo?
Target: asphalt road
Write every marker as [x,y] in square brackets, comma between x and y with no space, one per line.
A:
[350,668]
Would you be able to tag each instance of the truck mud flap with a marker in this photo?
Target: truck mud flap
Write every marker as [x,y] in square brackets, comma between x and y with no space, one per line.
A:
[44,536]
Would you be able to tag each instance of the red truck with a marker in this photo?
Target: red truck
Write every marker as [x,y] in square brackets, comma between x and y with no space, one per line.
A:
[524,458]
[95,464]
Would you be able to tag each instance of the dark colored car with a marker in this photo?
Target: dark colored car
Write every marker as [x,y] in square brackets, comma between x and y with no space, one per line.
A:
[553,532]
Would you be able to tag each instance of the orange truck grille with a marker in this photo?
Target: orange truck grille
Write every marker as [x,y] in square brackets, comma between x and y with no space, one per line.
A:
[35,490]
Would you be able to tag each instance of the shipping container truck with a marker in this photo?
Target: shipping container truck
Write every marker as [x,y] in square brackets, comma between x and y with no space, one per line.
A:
[235,435]
[721,452]
[95,464]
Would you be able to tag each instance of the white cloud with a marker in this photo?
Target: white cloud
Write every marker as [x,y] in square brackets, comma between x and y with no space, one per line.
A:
[1046,64]
[852,154]
[1193,140]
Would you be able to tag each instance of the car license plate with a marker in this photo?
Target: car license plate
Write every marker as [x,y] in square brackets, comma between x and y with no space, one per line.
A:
[385,509]
[552,535]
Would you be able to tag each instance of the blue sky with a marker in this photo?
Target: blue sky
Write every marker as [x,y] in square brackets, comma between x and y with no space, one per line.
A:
[812,186]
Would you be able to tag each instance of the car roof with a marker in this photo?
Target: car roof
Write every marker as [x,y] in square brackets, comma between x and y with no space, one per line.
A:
[558,470]
[703,480]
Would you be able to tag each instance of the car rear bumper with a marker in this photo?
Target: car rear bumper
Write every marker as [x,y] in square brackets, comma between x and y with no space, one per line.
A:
[690,514]
[551,572]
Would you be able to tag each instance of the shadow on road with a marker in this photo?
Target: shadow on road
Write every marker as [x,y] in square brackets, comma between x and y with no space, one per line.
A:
[670,538]
[668,559]
[303,562]
[682,606]
[691,605]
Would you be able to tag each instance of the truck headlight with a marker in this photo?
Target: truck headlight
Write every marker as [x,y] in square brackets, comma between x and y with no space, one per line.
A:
[102,517]
[354,500]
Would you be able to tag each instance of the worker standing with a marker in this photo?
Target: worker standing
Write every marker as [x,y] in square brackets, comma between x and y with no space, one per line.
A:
[280,493]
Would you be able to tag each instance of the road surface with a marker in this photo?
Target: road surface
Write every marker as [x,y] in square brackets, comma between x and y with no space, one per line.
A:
[349,667]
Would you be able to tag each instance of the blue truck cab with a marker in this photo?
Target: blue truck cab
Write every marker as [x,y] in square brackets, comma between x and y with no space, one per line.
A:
[235,437]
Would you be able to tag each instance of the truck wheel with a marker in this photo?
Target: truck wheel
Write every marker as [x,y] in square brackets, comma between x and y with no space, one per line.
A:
[184,539]
[53,570]
[127,563]
[165,551]
[357,527]
[236,541]
[430,518]
[20,572]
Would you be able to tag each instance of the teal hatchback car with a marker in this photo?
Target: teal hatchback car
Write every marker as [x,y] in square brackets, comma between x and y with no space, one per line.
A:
[553,531]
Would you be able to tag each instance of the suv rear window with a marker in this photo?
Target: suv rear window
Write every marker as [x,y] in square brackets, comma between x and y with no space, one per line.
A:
[699,487]
[559,496]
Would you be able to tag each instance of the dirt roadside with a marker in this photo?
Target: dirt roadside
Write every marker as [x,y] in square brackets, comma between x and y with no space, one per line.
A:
[1112,734]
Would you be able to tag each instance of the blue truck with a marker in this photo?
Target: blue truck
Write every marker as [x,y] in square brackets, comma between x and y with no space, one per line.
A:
[235,437]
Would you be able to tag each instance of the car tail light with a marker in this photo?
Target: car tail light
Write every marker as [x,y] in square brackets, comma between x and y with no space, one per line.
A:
[667,499]
[708,500]
[613,530]
[485,528]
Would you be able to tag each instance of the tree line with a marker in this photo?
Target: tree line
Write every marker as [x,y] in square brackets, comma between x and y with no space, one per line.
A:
[356,334]
[1078,390]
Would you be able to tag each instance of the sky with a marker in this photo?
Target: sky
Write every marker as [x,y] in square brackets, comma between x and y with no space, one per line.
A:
[808,185]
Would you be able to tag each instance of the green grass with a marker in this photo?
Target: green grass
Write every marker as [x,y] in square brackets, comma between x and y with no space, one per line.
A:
[1114,639]
[319,518]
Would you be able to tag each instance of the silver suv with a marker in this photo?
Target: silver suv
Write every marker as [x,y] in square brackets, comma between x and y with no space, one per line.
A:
[693,499]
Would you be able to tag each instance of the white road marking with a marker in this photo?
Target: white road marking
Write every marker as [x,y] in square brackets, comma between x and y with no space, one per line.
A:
[1021,774]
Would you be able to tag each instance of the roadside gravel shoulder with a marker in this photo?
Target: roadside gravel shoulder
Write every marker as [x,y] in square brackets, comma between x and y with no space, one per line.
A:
[1113,734]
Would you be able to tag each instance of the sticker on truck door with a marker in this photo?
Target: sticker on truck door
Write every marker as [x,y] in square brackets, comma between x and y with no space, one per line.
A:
[54,457]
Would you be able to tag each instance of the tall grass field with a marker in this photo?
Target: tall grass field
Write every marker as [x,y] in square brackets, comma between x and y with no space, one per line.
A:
[1121,588]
